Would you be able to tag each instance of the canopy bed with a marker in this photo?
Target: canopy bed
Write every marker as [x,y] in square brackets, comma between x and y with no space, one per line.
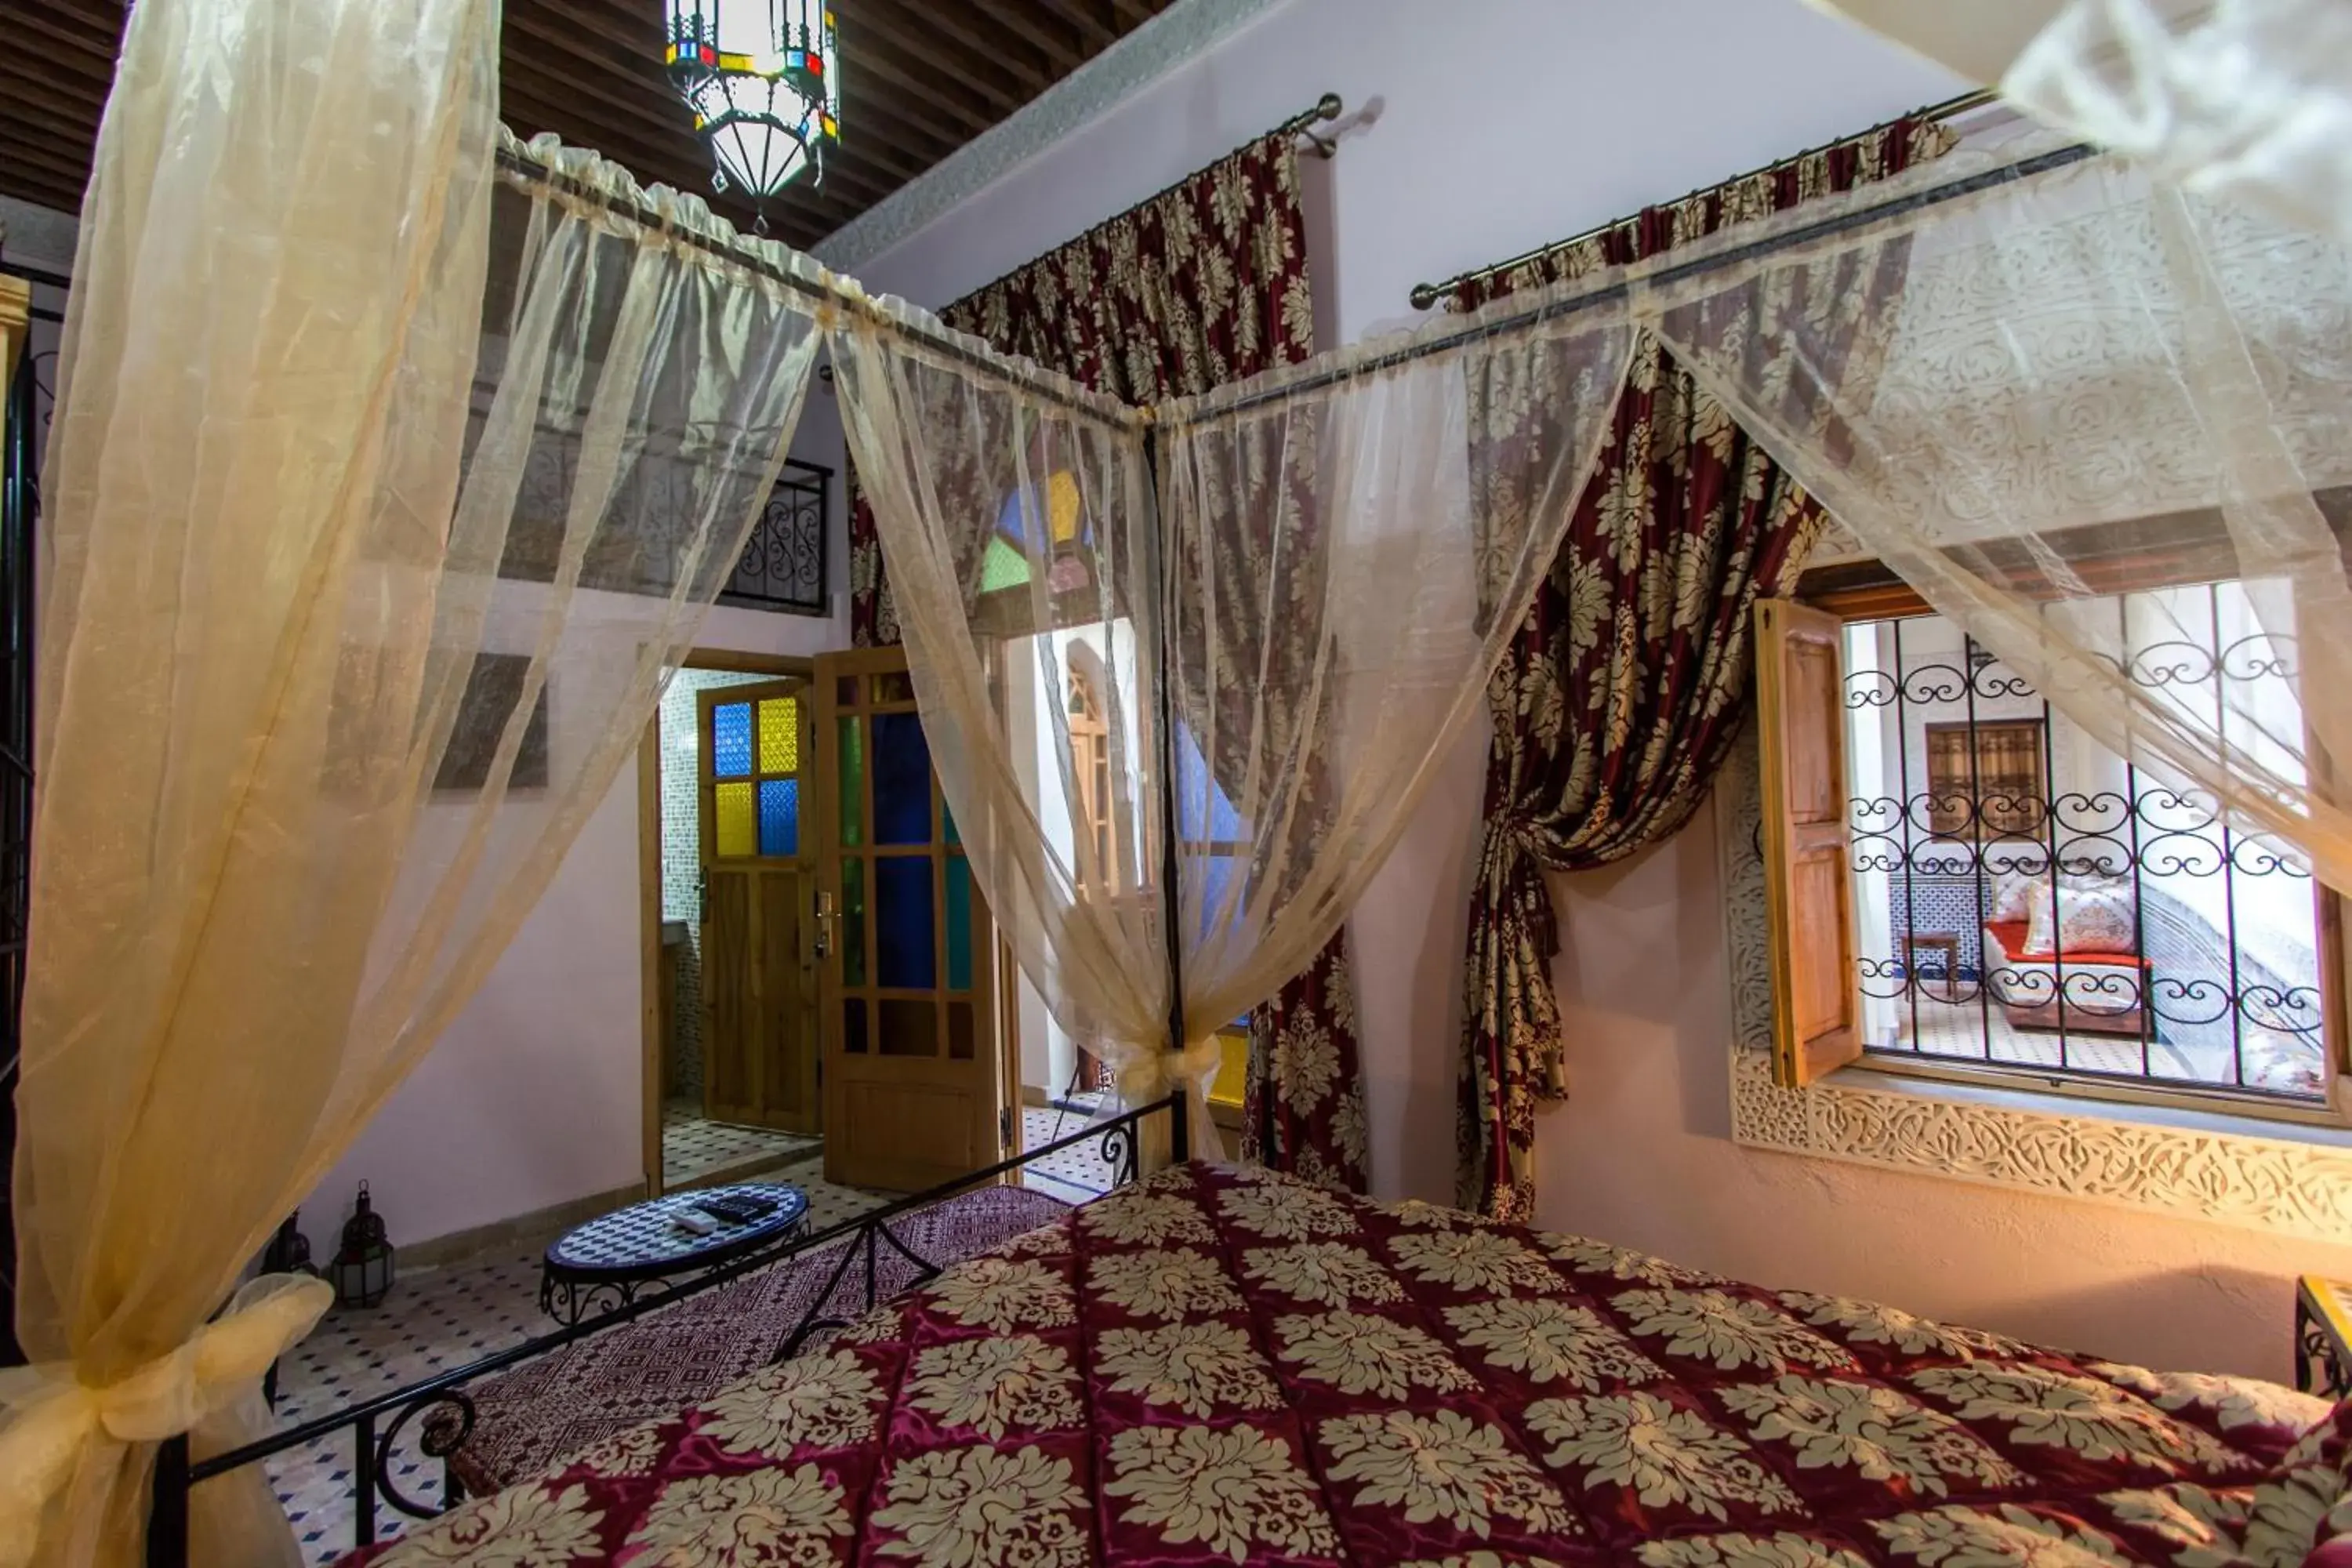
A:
[1232,1365]
[500,402]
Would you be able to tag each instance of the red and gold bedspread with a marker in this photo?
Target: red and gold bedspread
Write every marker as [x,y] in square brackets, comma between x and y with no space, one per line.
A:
[1220,1366]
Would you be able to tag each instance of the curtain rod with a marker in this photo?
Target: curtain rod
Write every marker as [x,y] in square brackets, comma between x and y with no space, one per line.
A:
[1425,295]
[1436,341]
[948,345]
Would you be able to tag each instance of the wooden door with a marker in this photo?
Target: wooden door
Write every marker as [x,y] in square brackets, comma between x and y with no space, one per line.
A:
[759,1049]
[912,1087]
[1809,892]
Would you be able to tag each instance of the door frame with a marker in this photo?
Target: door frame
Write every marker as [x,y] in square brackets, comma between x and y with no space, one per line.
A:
[733,661]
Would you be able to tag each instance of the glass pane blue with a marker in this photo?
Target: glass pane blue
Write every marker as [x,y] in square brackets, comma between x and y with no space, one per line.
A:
[731,739]
[1220,877]
[780,816]
[903,927]
[1204,811]
[902,780]
[958,923]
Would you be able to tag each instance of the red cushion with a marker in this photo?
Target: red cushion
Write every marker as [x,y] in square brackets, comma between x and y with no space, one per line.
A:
[2010,937]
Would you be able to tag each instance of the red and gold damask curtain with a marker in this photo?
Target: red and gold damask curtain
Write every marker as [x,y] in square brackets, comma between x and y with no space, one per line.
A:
[1203,284]
[1616,705]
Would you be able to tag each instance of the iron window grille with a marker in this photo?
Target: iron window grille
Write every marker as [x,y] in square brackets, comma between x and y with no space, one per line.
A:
[2197,962]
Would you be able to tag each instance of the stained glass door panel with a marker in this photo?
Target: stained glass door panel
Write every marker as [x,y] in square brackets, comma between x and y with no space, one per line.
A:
[913,1096]
[759,1035]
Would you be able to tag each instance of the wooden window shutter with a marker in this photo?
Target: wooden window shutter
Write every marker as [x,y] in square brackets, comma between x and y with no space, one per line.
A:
[1809,888]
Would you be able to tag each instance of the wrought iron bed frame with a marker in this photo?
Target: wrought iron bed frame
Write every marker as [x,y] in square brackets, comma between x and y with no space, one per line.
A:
[448,1409]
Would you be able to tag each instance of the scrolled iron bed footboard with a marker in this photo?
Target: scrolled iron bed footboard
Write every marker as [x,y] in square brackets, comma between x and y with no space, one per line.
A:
[376,1424]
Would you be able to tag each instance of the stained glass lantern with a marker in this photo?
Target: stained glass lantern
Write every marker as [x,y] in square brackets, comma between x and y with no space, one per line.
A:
[288,1251]
[763,78]
[362,1271]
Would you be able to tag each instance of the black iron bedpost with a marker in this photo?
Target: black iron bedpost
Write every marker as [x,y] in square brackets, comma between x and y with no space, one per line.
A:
[1171,904]
[167,1510]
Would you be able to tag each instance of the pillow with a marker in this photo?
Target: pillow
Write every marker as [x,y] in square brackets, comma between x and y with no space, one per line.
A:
[2093,914]
[2014,892]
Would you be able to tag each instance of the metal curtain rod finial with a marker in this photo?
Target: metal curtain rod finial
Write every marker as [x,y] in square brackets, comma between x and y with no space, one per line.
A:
[1326,108]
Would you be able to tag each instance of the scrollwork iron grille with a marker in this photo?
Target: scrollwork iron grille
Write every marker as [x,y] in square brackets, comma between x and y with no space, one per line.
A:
[783,562]
[1965,785]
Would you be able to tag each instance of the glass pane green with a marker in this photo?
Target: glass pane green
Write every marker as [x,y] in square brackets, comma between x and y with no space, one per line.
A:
[731,739]
[853,921]
[958,923]
[853,780]
[1003,567]
[737,832]
[947,817]
[906,930]
[780,735]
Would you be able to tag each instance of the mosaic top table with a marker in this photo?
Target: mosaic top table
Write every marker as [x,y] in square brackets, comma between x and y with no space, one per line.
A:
[608,1261]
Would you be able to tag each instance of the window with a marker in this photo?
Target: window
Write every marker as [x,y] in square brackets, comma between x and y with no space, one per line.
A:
[1960,879]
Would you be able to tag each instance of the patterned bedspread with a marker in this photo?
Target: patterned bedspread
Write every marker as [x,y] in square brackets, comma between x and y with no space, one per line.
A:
[1220,1366]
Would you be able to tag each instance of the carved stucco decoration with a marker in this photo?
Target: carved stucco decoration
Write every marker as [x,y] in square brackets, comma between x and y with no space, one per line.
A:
[2267,1183]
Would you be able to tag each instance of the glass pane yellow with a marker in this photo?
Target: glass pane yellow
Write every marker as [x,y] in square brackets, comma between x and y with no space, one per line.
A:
[780,735]
[739,832]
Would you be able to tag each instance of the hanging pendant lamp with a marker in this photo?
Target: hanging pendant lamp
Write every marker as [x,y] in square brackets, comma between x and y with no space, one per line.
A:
[763,78]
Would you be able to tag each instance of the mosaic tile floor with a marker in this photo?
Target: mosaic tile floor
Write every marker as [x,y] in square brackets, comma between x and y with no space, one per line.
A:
[1075,1174]
[694,1149]
[436,1320]
[1963,1029]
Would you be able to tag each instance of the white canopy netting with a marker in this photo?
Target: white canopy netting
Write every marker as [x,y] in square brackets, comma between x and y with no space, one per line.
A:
[493,417]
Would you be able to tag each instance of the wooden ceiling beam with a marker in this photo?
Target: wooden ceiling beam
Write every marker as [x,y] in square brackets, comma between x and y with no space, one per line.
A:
[1059,50]
[1076,12]
[905,38]
[984,56]
[964,126]
[53,164]
[66,50]
[1133,14]
[77,100]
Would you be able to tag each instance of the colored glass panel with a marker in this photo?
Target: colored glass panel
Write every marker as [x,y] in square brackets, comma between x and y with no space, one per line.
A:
[852,752]
[1003,567]
[905,930]
[1203,810]
[910,1028]
[894,685]
[949,830]
[731,739]
[852,922]
[902,780]
[852,1026]
[960,1031]
[780,816]
[958,923]
[780,735]
[737,835]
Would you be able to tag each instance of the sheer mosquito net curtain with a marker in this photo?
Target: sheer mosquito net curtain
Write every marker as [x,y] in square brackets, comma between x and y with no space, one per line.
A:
[1297,587]
[2249,98]
[2096,398]
[385,482]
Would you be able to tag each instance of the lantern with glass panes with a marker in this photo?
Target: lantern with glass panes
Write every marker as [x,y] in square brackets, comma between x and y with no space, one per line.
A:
[362,1271]
[763,78]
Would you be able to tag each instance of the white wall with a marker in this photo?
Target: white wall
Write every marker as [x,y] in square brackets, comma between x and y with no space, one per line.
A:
[534,1097]
[1496,125]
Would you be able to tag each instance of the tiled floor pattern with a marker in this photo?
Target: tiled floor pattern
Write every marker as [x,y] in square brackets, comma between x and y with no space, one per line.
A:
[693,1148]
[1075,1174]
[436,1320]
[1966,1030]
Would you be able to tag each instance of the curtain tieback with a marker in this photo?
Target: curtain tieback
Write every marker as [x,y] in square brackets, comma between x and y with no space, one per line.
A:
[52,1418]
[1154,1075]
